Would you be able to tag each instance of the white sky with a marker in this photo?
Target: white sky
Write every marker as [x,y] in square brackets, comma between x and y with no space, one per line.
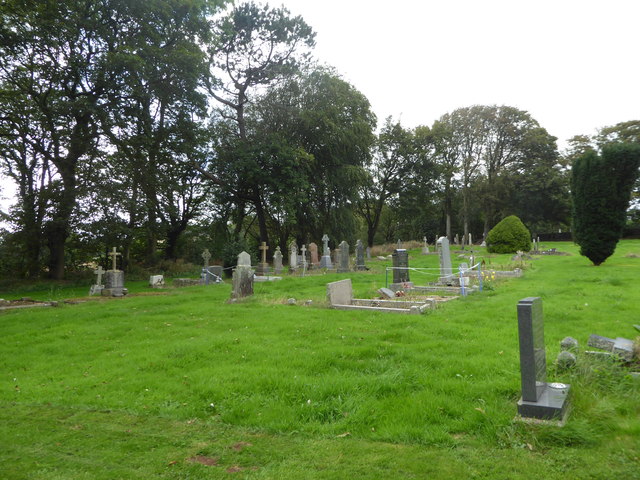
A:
[573,65]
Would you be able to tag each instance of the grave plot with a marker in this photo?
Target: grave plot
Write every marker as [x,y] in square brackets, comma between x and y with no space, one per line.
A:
[340,296]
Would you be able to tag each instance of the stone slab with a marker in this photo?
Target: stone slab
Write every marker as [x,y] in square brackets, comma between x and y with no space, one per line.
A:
[340,292]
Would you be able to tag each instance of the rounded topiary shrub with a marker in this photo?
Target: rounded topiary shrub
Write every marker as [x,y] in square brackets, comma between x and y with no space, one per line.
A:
[509,236]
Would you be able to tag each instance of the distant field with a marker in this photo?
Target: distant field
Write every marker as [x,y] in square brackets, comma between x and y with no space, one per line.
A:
[179,384]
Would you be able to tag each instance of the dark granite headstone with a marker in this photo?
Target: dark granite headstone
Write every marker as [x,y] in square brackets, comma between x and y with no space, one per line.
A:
[540,399]
[400,266]
[360,265]
[343,257]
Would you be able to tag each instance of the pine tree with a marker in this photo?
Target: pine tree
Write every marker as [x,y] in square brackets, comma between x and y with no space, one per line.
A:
[600,189]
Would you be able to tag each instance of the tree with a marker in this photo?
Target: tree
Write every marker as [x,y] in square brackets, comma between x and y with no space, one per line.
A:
[254,47]
[600,189]
[394,154]
[509,236]
[67,60]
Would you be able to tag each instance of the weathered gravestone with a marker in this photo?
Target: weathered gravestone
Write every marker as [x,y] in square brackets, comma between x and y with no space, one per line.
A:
[114,278]
[277,261]
[425,246]
[303,258]
[325,261]
[400,262]
[208,275]
[242,277]
[446,271]
[263,266]
[368,253]
[98,287]
[456,240]
[313,251]
[360,265]
[293,257]
[156,281]
[343,257]
[540,399]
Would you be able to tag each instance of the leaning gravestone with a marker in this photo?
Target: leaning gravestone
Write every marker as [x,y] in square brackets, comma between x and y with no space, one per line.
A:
[343,257]
[446,271]
[360,265]
[400,263]
[325,261]
[242,277]
[114,279]
[98,287]
[540,399]
[277,261]
[156,281]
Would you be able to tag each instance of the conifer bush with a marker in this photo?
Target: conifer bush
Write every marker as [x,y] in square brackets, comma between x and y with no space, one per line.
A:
[509,236]
[600,189]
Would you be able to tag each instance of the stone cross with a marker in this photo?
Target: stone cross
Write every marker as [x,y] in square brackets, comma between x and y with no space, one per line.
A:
[114,255]
[325,245]
[206,256]
[99,271]
[264,249]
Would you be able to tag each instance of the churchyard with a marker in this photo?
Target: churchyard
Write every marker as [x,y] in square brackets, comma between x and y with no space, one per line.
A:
[182,383]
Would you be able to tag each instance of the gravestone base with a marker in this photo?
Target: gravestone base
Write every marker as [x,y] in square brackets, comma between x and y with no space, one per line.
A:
[342,270]
[114,292]
[325,262]
[552,404]
[398,287]
[263,269]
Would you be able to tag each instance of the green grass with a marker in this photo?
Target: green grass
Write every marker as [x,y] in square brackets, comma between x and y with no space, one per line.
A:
[135,387]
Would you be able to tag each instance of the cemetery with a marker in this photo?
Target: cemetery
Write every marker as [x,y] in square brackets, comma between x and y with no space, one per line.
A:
[219,258]
[239,359]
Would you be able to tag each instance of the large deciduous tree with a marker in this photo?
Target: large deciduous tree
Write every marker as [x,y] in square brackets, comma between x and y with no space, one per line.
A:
[600,188]
[254,47]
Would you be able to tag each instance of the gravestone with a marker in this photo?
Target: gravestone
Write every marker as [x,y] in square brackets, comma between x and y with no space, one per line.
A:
[540,399]
[97,288]
[114,278]
[277,261]
[400,262]
[399,245]
[368,253]
[425,247]
[263,266]
[343,257]
[456,240]
[303,258]
[156,281]
[242,277]
[470,239]
[360,265]
[206,273]
[313,251]
[446,270]
[293,257]
[325,261]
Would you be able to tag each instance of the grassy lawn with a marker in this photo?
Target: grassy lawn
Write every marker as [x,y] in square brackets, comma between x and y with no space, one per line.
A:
[179,384]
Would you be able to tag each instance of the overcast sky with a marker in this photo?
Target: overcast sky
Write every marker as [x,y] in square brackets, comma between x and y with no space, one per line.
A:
[573,65]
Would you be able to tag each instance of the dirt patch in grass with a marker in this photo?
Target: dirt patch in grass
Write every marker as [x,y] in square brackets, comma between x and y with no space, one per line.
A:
[203,460]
